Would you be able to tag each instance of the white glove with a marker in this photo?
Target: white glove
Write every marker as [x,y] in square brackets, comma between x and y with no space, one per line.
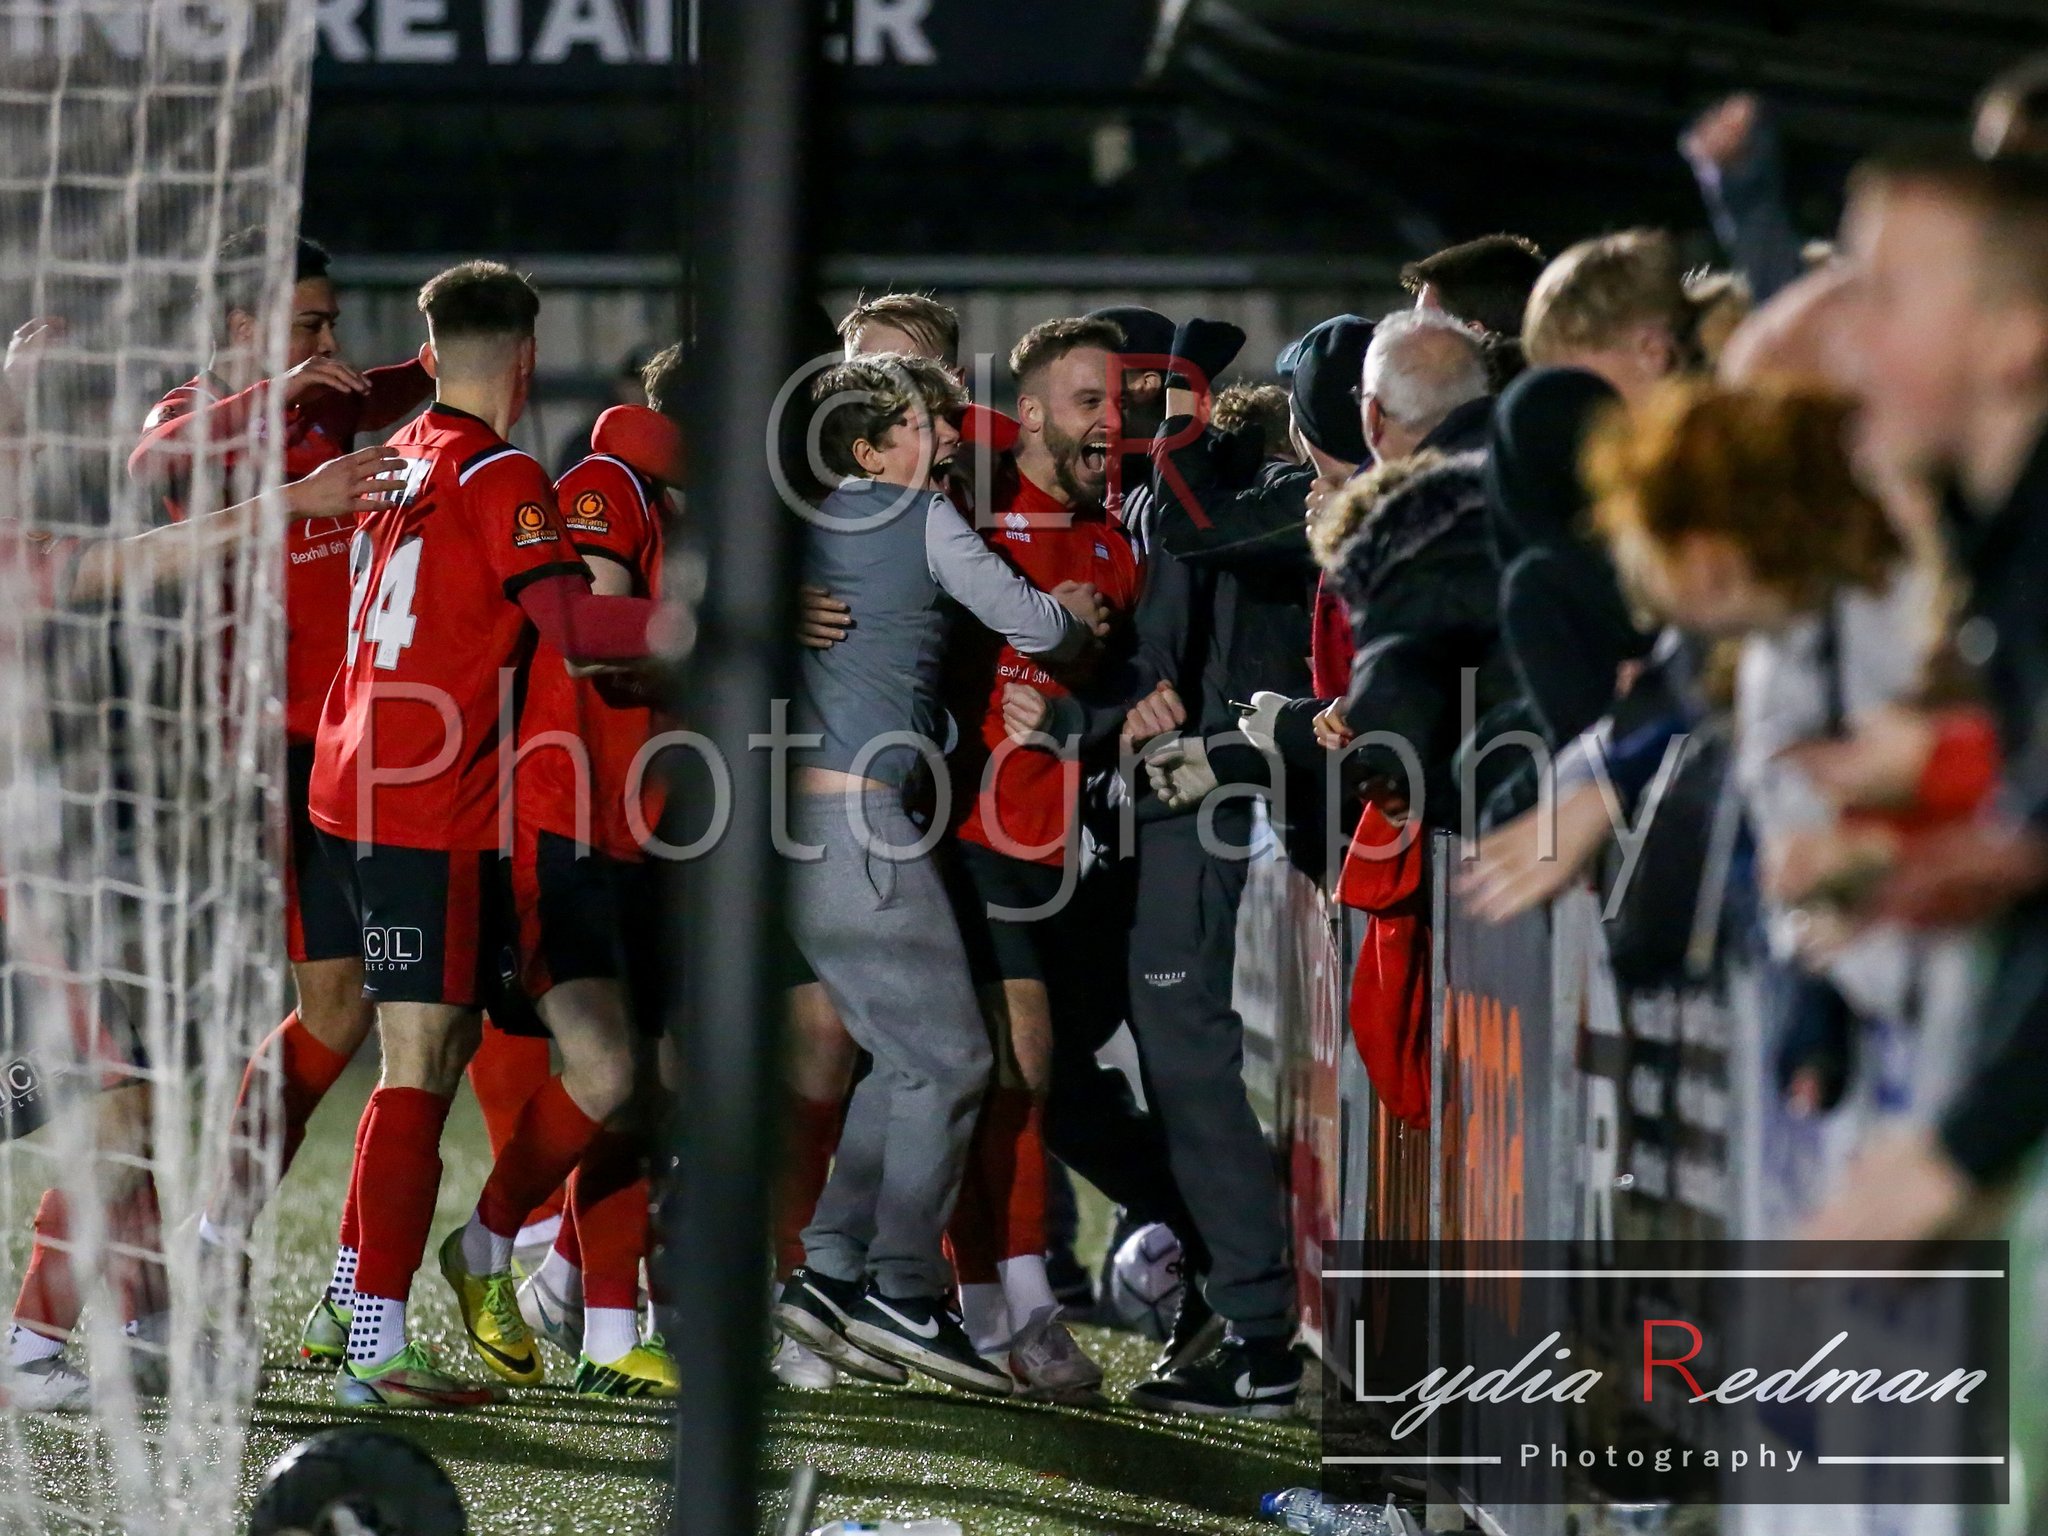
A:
[1180,773]
[1262,720]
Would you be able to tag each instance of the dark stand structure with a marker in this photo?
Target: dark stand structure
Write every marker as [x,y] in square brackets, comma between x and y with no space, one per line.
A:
[745,276]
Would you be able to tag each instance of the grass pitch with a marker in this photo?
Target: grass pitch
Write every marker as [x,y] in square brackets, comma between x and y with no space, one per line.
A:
[550,1462]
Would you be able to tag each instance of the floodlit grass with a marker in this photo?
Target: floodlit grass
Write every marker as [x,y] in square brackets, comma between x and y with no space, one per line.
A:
[549,1462]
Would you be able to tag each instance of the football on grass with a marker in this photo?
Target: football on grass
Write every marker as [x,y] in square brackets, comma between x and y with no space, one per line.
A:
[1144,1281]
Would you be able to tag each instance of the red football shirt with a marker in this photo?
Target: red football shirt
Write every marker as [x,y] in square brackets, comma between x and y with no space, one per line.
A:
[611,512]
[1025,812]
[433,621]
[319,426]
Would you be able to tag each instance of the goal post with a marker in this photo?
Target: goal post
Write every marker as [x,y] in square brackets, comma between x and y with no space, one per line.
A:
[141,739]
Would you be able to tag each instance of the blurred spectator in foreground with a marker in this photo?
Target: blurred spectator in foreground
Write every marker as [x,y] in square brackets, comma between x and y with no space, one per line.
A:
[1949,324]
[1735,513]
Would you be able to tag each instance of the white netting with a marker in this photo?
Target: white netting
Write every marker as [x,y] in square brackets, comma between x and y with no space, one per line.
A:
[140,736]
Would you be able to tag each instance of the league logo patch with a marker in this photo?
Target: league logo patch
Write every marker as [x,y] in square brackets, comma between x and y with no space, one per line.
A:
[530,525]
[590,513]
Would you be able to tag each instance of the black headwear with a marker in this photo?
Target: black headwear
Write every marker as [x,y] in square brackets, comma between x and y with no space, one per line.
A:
[1533,491]
[1146,331]
[1325,365]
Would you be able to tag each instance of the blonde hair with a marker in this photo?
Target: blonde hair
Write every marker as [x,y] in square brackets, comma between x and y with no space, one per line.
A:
[1764,466]
[1600,289]
[932,325]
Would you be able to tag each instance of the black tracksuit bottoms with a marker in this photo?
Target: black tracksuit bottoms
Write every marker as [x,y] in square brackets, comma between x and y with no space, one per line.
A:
[1183,951]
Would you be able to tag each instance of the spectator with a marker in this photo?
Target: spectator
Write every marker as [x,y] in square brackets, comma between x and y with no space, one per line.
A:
[1486,283]
[1408,549]
[1736,512]
[1610,317]
[1949,324]
[1616,306]
[1733,151]
[1423,384]
[915,324]
[1259,409]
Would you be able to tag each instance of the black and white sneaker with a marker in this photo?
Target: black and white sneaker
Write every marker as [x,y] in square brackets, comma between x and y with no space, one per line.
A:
[814,1309]
[1257,1379]
[1196,1330]
[919,1331]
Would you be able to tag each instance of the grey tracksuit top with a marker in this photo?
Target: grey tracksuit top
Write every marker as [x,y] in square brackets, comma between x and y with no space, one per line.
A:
[895,556]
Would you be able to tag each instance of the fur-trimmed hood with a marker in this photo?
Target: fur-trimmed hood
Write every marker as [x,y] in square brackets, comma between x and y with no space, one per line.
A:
[1384,519]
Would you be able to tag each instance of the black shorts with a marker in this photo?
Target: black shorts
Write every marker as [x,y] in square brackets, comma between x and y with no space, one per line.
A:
[437,927]
[1005,949]
[584,914]
[319,923]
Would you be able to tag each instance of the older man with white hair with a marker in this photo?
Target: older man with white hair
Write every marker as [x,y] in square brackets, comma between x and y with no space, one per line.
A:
[1423,385]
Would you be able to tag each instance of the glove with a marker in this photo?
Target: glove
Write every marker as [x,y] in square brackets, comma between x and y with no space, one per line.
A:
[1180,773]
[645,439]
[1202,349]
[1261,722]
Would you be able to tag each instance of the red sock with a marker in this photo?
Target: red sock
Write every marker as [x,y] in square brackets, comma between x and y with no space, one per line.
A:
[974,1234]
[1021,1118]
[568,1241]
[48,1303]
[552,1135]
[505,1072]
[608,1194]
[308,1068]
[814,1133]
[399,1171]
[351,1206]
[135,1258]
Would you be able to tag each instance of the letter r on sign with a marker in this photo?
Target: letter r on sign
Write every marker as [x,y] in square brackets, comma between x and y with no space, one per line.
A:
[1650,1361]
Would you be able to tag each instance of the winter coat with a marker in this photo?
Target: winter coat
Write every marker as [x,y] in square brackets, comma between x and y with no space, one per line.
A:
[1419,577]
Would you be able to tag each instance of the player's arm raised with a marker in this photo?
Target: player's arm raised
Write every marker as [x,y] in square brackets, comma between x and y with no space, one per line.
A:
[343,487]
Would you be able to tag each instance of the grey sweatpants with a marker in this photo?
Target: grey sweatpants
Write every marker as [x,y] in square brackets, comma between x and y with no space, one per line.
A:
[880,935]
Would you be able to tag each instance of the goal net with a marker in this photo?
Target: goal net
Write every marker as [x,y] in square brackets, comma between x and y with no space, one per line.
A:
[141,744]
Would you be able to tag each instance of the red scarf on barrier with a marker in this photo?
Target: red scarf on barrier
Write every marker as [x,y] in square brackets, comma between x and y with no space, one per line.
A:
[1390,988]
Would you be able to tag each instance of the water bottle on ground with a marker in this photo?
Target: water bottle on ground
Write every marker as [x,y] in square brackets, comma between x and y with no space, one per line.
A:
[938,1527]
[1307,1511]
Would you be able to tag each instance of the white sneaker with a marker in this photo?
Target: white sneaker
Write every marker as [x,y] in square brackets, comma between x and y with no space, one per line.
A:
[50,1385]
[1047,1362]
[798,1365]
[531,1244]
[551,1317]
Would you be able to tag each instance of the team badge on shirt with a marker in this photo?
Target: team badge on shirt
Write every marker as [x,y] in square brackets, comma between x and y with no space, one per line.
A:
[530,525]
[589,513]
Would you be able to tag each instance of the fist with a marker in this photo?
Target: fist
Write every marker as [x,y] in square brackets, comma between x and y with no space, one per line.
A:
[1026,712]
[1085,603]
[1157,713]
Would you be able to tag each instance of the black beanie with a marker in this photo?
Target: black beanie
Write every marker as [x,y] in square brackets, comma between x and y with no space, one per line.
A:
[1325,365]
[1146,331]
[1533,490]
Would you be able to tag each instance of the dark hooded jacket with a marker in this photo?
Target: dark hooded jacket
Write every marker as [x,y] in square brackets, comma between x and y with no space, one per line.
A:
[1418,575]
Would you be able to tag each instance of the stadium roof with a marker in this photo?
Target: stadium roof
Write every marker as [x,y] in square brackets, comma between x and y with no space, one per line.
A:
[1559,115]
